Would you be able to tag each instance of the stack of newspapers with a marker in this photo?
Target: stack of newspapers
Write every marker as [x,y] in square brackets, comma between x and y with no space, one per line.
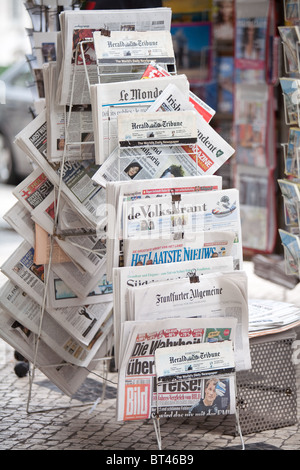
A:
[130,242]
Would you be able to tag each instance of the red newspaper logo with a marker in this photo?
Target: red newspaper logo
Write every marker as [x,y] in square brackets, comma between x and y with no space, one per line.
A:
[137,401]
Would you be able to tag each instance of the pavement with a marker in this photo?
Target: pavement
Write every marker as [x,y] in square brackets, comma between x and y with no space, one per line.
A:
[40,417]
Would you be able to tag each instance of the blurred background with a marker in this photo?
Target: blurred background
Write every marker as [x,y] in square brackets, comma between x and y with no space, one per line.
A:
[16,97]
[14,20]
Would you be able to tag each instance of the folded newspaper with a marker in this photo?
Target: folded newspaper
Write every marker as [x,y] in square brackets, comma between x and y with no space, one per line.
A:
[109,100]
[77,28]
[118,192]
[196,246]
[135,276]
[140,396]
[74,179]
[204,157]
[70,132]
[67,340]
[183,217]
[121,55]
[67,377]
[155,70]
[212,295]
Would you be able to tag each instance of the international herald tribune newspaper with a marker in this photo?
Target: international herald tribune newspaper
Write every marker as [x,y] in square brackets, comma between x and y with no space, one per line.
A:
[139,394]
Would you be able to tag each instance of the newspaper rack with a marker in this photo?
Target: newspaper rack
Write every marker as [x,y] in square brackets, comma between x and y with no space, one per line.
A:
[56,232]
[291,207]
[156,418]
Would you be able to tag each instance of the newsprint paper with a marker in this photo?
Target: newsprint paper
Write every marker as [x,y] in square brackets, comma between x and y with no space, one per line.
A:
[78,26]
[135,276]
[213,295]
[140,396]
[67,377]
[191,214]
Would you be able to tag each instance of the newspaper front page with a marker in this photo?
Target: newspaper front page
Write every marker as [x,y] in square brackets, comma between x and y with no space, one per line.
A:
[137,391]
[152,129]
[155,70]
[211,364]
[109,100]
[214,295]
[197,246]
[204,157]
[121,55]
[135,276]
[118,192]
[78,26]
[191,213]
[70,131]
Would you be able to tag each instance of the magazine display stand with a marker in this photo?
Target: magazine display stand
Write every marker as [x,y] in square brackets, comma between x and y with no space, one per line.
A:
[255,62]
[289,184]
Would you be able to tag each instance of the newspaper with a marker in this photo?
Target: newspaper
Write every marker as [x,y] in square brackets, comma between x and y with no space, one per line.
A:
[67,377]
[21,270]
[155,70]
[123,55]
[197,246]
[44,46]
[214,295]
[82,284]
[70,131]
[211,362]
[19,219]
[59,295]
[76,180]
[33,189]
[270,316]
[143,275]
[83,246]
[192,213]
[197,360]
[86,250]
[44,252]
[211,150]
[137,391]
[109,100]
[79,26]
[205,157]
[28,313]
[155,129]
[68,220]
[117,192]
